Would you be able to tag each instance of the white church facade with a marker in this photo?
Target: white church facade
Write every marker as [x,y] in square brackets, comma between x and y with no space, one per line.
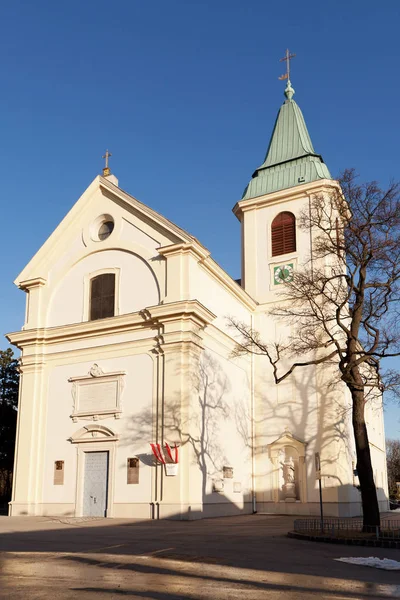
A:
[132,403]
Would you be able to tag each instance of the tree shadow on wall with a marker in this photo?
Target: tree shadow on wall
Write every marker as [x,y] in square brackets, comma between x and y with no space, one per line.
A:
[192,418]
[315,413]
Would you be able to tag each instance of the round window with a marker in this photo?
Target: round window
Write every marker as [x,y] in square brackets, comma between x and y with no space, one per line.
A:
[105,230]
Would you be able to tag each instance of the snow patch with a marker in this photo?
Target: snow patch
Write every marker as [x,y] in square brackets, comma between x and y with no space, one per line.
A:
[372,561]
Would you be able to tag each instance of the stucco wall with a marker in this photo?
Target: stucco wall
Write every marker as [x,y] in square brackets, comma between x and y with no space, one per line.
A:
[220,432]
[136,397]
[258,262]
[313,405]
[218,299]
[136,287]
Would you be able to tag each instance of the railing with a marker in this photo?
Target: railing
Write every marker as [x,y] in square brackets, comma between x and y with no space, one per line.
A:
[348,528]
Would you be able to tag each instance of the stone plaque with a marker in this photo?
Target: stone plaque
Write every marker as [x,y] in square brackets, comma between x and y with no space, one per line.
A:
[133,470]
[237,486]
[59,472]
[98,396]
[227,472]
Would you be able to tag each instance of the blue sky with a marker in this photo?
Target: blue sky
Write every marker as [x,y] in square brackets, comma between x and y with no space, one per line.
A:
[184,94]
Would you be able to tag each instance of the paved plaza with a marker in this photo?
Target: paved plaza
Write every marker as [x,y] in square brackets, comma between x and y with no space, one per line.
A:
[246,557]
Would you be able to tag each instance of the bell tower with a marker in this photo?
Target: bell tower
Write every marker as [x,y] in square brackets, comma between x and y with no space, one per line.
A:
[273,245]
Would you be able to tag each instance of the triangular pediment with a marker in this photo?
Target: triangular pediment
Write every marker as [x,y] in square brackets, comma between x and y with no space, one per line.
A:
[102,196]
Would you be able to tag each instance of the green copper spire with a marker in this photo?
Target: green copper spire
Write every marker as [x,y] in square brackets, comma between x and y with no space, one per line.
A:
[291,159]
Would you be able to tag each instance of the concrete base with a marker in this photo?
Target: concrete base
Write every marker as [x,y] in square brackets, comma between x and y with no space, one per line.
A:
[20,509]
[192,512]
[331,509]
[155,510]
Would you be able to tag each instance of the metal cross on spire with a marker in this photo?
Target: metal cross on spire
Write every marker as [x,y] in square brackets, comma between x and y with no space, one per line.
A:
[106,170]
[287,58]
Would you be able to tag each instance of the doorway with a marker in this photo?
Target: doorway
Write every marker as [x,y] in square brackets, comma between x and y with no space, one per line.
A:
[95,486]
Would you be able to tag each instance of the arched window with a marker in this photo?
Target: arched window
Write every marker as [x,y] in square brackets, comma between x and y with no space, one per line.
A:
[283,233]
[102,296]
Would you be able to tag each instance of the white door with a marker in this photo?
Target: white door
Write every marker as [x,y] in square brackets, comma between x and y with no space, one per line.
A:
[96,484]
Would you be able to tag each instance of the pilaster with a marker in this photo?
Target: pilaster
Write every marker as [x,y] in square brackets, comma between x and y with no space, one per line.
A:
[28,474]
[179,348]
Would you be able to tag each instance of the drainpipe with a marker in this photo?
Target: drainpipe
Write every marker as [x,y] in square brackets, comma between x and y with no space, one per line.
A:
[157,428]
[252,408]
[160,413]
[162,418]
[157,406]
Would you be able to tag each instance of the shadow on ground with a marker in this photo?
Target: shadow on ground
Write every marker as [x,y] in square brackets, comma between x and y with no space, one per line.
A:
[236,557]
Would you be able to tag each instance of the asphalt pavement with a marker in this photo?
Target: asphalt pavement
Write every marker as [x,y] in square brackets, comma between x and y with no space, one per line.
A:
[247,557]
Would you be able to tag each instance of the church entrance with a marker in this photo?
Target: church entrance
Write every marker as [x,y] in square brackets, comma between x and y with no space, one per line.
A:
[95,484]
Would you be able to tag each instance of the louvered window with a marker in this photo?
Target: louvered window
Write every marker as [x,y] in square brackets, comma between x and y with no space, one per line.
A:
[283,232]
[102,296]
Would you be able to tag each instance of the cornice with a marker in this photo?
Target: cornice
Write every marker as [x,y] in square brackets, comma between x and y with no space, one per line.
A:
[150,318]
[36,356]
[181,309]
[112,191]
[32,283]
[153,215]
[294,193]
[196,250]
[42,255]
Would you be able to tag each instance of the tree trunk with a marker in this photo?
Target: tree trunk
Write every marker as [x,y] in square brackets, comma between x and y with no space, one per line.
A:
[371,517]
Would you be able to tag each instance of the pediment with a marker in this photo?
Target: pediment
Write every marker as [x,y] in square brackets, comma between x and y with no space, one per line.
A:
[150,230]
[93,433]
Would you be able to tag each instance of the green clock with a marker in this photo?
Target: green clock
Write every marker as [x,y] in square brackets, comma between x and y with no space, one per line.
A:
[283,274]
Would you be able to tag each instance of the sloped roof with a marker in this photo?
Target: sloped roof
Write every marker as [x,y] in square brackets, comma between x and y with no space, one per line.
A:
[291,159]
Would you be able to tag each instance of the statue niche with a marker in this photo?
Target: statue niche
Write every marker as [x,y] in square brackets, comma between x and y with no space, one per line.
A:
[289,474]
[289,478]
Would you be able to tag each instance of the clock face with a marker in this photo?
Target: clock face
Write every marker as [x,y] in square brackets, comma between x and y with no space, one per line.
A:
[283,274]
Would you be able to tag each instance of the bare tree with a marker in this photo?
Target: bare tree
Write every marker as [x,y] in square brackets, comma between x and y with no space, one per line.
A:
[343,304]
[9,382]
[393,464]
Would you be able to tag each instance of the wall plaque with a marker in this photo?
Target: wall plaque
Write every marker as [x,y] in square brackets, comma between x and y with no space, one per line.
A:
[227,472]
[97,395]
[132,470]
[58,472]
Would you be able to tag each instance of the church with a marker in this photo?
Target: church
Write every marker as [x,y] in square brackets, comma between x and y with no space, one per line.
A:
[133,402]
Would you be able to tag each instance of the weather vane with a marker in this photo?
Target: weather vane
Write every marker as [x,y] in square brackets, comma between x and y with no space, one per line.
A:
[106,170]
[287,58]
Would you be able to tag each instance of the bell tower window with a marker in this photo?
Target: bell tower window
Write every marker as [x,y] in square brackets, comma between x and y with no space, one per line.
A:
[283,234]
[102,296]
